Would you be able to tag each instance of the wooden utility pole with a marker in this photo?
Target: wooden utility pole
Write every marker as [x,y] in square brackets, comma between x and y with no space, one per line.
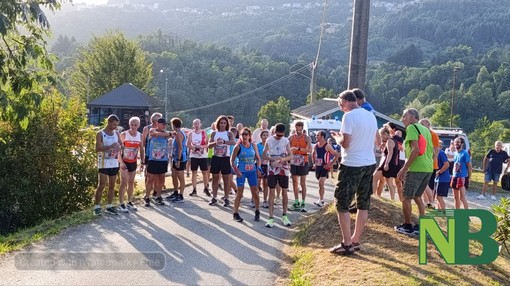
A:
[359,43]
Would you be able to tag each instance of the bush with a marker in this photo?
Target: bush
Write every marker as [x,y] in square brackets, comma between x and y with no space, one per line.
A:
[48,168]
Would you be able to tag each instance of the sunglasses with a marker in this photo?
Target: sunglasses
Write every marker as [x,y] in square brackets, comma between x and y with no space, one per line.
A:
[279,135]
[245,134]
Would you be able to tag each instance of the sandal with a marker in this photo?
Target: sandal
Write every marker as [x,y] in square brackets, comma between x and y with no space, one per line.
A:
[342,249]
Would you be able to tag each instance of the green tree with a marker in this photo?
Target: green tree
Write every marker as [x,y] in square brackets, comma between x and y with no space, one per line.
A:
[483,137]
[107,63]
[442,115]
[23,57]
[322,93]
[276,112]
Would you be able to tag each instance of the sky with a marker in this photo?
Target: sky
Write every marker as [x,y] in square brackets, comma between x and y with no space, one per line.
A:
[90,1]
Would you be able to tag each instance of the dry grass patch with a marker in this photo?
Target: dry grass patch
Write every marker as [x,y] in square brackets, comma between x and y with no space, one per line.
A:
[386,257]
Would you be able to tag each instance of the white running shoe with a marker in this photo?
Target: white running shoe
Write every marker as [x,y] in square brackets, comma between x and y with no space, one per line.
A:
[493,198]
[481,197]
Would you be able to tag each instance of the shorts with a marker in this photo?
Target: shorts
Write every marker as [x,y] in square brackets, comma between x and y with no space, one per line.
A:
[209,162]
[281,180]
[109,171]
[431,180]
[182,166]
[458,183]
[354,181]
[131,167]
[415,184]
[146,159]
[492,177]
[199,162]
[299,170]
[157,167]
[442,188]
[221,164]
[321,173]
[251,176]
[264,170]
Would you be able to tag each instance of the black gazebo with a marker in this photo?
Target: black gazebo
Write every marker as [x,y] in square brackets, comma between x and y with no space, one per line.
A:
[125,101]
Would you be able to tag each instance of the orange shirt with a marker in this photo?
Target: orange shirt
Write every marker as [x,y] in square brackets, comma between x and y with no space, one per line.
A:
[435,143]
[300,142]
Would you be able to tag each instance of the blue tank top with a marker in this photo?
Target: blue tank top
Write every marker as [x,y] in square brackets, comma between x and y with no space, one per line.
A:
[158,149]
[246,158]
[175,149]
[321,158]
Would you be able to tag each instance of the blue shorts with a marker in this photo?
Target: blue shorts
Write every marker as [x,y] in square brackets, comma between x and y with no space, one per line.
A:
[251,176]
[442,188]
[491,177]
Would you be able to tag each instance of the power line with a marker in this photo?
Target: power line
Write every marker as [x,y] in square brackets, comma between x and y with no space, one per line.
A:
[242,94]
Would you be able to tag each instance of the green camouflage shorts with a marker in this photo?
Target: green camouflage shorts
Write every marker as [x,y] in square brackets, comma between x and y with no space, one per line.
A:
[415,184]
[354,181]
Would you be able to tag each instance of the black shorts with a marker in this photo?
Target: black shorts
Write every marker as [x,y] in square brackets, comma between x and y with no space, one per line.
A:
[157,167]
[221,164]
[320,172]
[199,162]
[282,181]
[109,171]
[431,180]
[131,167]
[264,170]
[299,170]
[182,166]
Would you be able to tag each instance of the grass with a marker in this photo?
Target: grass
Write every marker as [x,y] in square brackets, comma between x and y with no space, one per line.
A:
[386,257]
[25,237]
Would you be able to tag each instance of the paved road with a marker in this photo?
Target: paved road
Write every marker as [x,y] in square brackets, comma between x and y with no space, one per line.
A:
[201,245]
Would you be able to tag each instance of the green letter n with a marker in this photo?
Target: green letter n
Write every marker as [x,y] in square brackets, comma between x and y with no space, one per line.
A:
[444,244]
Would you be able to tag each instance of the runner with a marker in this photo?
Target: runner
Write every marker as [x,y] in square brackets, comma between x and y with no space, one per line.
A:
[246,155]
[461,171]
[257,132]
[145,142]
[263,179]
[108,145]
[301,146]
[179,160]
[132,143]
[157,166]
[277,152]
[220,162]
[197,144]
[324,157]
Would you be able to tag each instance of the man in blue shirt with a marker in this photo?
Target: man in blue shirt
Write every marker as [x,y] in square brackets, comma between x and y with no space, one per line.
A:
[360,99]
[461,170]
[442,180]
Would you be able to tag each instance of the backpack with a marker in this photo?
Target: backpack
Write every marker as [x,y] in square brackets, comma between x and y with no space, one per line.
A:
[422,143]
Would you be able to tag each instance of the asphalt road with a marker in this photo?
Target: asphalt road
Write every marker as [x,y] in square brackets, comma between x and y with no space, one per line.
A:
[188,243]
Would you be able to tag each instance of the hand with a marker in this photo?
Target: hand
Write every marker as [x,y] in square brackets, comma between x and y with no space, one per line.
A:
[294,149]
[402,174]
[123,167]
[177,164]
[386,167]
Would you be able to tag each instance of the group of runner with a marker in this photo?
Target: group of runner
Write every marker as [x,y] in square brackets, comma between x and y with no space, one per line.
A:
[265,158]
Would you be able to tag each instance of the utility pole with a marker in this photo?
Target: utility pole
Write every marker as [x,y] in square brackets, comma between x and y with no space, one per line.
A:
[359,43]
[165,99]
[313,82]
[455,71]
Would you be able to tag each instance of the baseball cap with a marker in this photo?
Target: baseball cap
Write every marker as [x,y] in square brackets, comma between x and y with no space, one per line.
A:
[162,120]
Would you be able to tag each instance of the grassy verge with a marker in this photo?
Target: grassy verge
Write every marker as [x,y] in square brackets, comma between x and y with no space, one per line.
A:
[22,238]
[387,257]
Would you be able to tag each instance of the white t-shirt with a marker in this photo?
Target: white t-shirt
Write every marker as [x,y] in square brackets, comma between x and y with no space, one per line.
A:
[196,139]
[221,150]
[362,126]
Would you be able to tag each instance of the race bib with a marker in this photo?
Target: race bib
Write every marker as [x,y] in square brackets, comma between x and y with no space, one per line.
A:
[298,160]
[249,168]
[158,153]
[130,153]
[318,162]
[110,154]
[220,151]
[457,167]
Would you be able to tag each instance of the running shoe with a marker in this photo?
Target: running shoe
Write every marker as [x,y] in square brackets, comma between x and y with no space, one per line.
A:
[212,202]
[257,215]
[277,200]
[265,204]
[270,222]
[319,203]
[147,201]
[226,203]
[111,210]
[178,199]
[172,196]
[123,208]
[159,201]
[416,229]
[285,220]
[193,193]
[237,217]
[493,197]
[295,206]
[97,211]
[405,229]
[252,204]
[131,207]
[303,208]
[341,249]
[206,192]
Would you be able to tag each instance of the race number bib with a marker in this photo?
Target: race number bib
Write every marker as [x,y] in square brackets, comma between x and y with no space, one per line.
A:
[457,167]
[158,153]
[318,162]
[130,153]
[110,154]
[220,151]
[298,160]
[249,168]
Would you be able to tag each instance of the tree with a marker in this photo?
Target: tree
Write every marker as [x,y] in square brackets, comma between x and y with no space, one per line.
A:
[276,112]
[323,93]
[23,57]
[107,63]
